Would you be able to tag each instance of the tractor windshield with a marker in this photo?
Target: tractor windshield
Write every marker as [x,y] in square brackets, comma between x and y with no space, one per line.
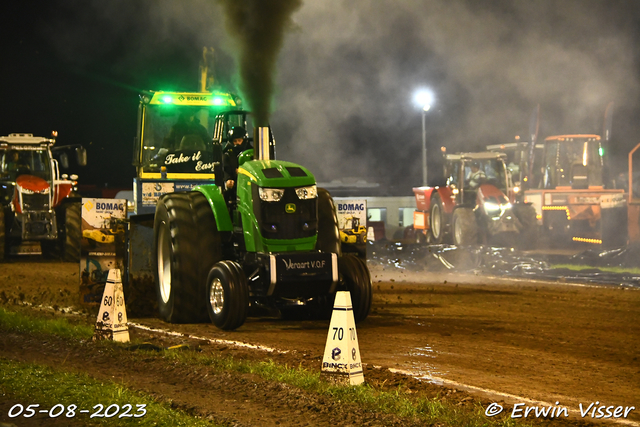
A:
[24,162]
[569,157]
[178,137]
[493,169]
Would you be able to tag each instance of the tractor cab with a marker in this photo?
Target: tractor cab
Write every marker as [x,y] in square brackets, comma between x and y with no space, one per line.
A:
[573,161]
[175,131]
[517,161]
[174,148]
[466,172]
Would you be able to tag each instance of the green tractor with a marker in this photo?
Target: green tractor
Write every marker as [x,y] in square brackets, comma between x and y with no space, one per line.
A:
[277,245]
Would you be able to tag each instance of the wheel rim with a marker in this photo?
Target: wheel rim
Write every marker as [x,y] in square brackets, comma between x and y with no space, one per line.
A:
[457,232]
[164,263]
[216,296]
[435,221]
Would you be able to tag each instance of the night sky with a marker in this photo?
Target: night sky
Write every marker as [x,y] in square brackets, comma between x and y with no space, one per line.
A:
[345,76]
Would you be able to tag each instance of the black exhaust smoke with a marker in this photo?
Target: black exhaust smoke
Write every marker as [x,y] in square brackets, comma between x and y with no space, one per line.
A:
[258,27]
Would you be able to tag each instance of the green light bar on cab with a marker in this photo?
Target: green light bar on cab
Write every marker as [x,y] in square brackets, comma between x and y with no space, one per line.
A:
[193,98]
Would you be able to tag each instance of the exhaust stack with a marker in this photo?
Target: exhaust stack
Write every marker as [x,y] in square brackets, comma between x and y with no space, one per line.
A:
[261,150]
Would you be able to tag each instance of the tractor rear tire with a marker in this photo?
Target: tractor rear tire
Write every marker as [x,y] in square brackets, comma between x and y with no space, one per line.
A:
[357,279]
[227,295]
[72,232]
[530,230]
[186,245]
[328,231]
[437,219]
[465,227]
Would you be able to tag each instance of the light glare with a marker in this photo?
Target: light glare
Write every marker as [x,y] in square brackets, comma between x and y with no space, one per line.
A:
[424,99]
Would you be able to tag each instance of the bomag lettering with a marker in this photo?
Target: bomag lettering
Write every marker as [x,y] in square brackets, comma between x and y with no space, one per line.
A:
[107,206]
[350,206]
[197,98]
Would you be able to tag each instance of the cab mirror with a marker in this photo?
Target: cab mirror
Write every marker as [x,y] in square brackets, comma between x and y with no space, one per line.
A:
[81,154]
[64,160]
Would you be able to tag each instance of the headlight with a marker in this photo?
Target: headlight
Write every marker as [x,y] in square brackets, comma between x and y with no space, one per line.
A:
[495,210]
[491,207]
[310,192]
[271,194]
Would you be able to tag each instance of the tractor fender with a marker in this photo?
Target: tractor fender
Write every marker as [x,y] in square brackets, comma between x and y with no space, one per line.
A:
[448,199]
[214,196]
[63,190]
[423,197]
[245,156]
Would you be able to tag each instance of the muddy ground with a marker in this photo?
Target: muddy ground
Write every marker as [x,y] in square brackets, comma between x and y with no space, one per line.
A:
[465,337]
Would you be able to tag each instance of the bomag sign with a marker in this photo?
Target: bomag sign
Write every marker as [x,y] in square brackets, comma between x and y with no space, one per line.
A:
[102,246]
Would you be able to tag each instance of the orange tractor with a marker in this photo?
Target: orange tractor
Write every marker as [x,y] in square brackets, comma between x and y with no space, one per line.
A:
[571,197]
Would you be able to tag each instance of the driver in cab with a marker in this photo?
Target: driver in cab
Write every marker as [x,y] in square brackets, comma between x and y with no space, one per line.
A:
[476,176]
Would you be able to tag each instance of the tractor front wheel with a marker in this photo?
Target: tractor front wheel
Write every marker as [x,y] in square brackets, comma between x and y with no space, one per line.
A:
[357,279]
[228,295]
[465,227]
[437,219]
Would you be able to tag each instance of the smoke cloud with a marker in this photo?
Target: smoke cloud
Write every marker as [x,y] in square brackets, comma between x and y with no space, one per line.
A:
[258,27]
[341,86]
[489,63]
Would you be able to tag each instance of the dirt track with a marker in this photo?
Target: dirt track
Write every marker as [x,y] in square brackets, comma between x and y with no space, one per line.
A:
[532,340]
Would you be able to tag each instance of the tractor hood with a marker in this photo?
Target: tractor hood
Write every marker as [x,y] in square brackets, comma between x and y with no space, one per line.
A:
[286,218]
[491,193]
[498,210]
[32,183]
[276,173]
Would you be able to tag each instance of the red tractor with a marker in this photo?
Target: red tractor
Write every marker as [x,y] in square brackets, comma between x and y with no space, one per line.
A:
[473,206]
[39,211]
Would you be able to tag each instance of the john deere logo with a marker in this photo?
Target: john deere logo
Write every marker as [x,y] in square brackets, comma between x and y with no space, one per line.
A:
[290,208]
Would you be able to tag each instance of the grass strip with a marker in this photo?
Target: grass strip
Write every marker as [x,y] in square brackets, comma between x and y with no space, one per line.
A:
[399,402]
[579,267]
[55,391]
[12,321]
